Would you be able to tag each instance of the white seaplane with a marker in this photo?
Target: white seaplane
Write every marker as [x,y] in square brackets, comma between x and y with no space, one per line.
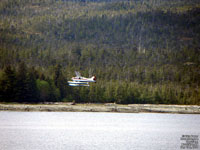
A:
[81,81]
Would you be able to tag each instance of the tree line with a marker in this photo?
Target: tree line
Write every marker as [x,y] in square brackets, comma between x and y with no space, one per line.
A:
[29,85]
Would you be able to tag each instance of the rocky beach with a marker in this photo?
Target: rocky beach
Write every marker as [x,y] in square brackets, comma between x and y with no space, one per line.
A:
[108,107]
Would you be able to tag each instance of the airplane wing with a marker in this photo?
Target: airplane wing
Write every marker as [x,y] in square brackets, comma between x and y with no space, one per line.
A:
[77,74]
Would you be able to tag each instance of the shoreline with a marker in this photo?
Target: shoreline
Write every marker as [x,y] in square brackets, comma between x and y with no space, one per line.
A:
[107,107]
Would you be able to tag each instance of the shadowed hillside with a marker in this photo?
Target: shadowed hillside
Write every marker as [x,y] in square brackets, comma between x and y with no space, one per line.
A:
[141,51]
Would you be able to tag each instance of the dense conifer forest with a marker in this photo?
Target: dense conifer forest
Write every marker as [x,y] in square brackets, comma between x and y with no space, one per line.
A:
[142,51]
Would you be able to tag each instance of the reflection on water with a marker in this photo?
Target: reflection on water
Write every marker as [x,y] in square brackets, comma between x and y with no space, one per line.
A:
[81,130]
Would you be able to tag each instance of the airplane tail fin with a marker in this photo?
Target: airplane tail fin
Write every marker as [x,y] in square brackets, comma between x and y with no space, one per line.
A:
[94,78]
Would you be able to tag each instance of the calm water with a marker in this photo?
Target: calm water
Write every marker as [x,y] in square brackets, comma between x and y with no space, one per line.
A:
[86,131]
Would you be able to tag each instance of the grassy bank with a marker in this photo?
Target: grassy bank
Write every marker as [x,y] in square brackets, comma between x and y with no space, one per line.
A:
[131,108]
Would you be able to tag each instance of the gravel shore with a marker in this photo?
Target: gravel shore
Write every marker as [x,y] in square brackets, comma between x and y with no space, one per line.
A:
[131,108]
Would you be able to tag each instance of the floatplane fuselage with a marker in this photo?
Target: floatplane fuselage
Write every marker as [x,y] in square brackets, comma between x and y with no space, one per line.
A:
[81,81]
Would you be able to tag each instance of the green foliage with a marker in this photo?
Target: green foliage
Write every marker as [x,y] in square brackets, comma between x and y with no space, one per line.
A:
[8,84]
[141,51]
[61,82]
[44,88]
[22,83]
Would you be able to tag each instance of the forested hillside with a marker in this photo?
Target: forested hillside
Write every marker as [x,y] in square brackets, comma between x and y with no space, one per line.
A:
[142,51]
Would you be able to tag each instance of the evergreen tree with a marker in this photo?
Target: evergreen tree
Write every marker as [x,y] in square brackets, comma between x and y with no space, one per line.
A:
[8,85]
[61,81]
[22,87]
[32,91]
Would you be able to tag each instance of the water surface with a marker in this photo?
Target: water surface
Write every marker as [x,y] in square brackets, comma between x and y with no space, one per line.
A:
[90,131]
